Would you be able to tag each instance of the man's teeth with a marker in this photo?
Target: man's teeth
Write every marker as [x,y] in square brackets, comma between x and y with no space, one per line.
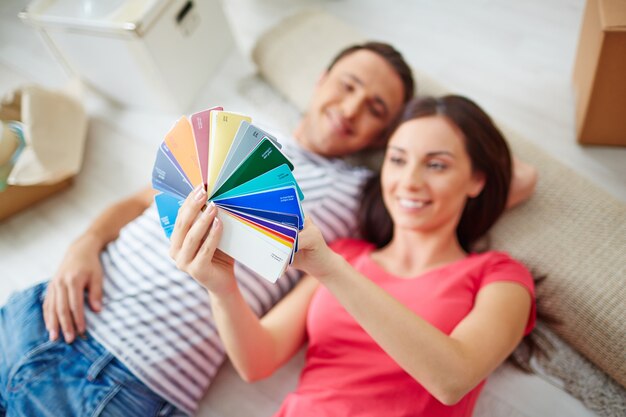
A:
[411,203]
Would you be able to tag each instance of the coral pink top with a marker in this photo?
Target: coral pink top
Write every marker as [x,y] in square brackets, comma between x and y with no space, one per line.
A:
[348,374]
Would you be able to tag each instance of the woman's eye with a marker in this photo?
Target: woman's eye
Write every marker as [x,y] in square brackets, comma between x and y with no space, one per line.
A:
[347,86]
[396,160]
[437,166]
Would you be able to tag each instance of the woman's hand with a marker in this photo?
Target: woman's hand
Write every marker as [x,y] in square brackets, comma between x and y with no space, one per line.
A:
[314,256]
[194,243]
[79,271]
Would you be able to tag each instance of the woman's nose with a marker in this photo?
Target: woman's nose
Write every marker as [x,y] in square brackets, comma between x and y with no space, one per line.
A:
[413,178]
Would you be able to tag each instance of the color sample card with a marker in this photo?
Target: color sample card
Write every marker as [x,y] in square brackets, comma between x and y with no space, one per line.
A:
[168,207]
[288,233]
[200,123]
[168,178]
[281,218]
[277,177]
[265,156]
[264,255]
[247,138]
[281,200]
[181,142]
[224,126]
[257,196]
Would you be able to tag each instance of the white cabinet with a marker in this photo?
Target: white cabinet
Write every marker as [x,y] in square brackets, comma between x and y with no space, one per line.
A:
[149,54]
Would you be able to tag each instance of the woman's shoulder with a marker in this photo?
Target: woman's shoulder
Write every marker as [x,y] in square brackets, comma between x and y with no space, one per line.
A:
[351,248]
[497,259]
[501,266]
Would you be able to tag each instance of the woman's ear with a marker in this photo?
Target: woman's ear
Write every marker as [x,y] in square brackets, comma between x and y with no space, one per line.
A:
[477,185]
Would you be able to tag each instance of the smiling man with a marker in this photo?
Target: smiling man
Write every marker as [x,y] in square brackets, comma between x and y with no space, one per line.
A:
[146,344]
[355,101]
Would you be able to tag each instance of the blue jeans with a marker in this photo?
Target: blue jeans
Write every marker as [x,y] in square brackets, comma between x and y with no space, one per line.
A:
[43,378]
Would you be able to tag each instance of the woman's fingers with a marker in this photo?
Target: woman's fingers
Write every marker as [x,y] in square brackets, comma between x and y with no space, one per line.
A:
[186,216]
[196,252]
[196,236]
[207,250]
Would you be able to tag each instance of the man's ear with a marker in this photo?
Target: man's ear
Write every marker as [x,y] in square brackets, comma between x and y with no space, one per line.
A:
[478,183]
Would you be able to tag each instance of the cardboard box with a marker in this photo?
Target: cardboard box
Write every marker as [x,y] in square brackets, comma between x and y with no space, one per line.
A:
[16,197]
[54,126]
[600,74]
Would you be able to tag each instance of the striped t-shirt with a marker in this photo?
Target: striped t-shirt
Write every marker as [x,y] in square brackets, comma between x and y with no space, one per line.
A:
[157,320]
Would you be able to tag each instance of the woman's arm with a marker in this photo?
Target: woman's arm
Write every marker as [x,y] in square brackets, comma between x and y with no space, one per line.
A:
[256,347]
[448,366]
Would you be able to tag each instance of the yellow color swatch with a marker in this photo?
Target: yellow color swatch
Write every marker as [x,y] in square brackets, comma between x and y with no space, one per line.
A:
[224,127]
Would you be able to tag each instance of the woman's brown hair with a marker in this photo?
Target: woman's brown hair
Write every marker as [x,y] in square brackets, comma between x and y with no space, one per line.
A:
[489,155]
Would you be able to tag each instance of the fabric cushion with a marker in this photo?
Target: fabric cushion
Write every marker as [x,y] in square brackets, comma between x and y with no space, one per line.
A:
[292,60]
[574,233]
[571,231]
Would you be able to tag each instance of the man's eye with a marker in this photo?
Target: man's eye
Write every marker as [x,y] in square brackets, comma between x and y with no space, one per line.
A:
[375,111]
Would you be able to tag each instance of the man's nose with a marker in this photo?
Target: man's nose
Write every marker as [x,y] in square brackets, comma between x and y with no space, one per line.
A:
[353,104]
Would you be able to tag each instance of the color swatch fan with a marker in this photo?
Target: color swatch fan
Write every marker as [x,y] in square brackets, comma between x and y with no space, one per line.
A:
[247,177]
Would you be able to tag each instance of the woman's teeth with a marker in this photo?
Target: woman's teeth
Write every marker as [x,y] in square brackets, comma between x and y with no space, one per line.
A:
[411,203]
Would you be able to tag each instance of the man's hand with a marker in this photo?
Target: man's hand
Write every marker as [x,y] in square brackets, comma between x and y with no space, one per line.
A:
[80,271]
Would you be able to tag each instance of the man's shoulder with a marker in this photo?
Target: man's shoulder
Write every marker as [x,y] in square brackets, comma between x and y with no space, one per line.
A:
[299,155]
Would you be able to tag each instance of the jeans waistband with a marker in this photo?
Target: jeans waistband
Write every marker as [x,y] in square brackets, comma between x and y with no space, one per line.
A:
[89,347]
[101,358]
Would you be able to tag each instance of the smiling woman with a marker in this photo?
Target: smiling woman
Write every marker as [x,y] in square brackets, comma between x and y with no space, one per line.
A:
[452,140]
[428,175]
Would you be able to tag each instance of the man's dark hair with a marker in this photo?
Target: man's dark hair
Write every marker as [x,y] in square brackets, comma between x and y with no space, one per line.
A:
[389,54]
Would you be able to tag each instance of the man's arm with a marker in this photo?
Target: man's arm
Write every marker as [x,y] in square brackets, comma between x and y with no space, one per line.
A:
[81,270]
[106,227]
[523,183]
